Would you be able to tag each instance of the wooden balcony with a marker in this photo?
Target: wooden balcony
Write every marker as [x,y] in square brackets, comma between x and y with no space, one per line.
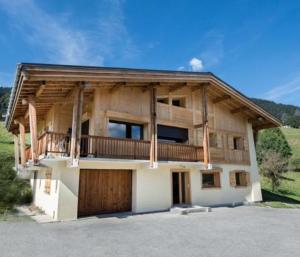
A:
[118,148]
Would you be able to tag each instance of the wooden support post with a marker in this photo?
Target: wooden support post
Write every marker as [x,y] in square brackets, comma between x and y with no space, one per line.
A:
[205,127]
[22,141]
[76,126]
[33,129]
[153,128]
[17,151]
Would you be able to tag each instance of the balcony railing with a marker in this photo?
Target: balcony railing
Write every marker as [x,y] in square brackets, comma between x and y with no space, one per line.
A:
[119,148]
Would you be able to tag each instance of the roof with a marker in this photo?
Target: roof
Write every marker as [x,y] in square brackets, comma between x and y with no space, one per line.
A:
[61,79]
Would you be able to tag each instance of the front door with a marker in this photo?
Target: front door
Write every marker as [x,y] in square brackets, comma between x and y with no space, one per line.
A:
[181,187]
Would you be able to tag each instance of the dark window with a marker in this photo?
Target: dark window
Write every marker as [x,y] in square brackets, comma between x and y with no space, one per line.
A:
[237,179]
[125,130]
[172,134]
[238,143]
[180,102]
[208,180]
[211,179]
[163,100]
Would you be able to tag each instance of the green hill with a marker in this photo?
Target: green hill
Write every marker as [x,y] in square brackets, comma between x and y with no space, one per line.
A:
[4,98]
[288,114]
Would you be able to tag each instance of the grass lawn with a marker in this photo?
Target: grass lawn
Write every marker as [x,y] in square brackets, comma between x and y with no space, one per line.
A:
[286,196]
[293,137]
[6,141]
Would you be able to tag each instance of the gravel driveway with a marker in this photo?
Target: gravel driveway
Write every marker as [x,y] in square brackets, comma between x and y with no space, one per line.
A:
[241,231]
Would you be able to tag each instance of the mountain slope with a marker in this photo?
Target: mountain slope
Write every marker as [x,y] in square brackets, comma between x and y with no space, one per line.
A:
[288,114]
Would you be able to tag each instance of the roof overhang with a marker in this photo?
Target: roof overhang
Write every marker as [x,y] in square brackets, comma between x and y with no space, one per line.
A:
[53,83]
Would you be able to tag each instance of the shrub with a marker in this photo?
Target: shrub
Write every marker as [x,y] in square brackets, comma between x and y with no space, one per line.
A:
[272,166]
[272,140]
[13,190]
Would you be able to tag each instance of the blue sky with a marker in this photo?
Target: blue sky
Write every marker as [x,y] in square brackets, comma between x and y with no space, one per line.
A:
[252,45]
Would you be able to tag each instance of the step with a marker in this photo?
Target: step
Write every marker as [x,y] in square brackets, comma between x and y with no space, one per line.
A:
[189,209]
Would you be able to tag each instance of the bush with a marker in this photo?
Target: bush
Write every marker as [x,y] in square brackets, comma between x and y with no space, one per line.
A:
[13,190]
[272,166]
[272,140]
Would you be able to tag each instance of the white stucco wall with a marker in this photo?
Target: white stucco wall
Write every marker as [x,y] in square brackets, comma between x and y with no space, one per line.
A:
[151,188]
[46,202]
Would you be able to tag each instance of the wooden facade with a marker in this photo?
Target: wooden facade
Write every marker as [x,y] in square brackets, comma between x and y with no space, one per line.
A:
[52,102]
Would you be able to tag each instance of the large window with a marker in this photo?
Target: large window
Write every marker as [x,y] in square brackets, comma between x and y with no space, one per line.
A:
[172,134]
[125,130]
[211,179]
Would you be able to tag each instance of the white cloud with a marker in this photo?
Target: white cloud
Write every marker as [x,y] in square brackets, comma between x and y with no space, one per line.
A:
[181,68]
[285,90]
[196,64]
[57,38]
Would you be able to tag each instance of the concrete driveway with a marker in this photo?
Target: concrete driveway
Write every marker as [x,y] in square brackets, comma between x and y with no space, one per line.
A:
[241,231]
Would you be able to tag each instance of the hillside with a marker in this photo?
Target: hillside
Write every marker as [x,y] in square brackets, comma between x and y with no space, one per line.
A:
[288,114]
[4,98]
[293,137]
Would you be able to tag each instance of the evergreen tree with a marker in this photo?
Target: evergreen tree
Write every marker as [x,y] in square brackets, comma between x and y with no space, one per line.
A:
[272,140]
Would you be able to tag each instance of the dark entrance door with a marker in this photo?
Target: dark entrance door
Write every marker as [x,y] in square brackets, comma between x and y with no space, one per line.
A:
[180,188]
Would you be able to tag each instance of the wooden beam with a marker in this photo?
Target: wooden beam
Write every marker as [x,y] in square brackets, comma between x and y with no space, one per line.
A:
[199,86]
[33,129]
[116,87]
[153,127]
[177,87]
[240,109]
[17,151]
[221,99]
[20,121]
[205,126]
[198,126]
[76,125]
[40,90]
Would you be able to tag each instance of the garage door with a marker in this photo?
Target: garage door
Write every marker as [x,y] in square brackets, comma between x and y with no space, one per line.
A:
[104,191]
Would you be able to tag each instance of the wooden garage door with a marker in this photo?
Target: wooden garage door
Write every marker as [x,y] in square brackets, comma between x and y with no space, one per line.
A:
[104,191]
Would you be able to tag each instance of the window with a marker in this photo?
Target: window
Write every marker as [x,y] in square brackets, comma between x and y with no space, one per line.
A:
[125,130]
[48,177]
[172,134]
[180,102]
[239,178]
[163,100]
[213,141]
[238,143]
[211,179]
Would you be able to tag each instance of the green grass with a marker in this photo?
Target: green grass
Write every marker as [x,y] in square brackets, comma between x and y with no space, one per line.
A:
[293,137]
[286,196]
[6,141]
[14,216]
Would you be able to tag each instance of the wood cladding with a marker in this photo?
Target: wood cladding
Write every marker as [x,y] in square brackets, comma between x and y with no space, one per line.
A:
[104,191]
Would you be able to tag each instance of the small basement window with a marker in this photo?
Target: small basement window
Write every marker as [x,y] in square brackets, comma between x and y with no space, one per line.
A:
[163,100]
[211,179]
[238,143]
[48,178]
[180,102]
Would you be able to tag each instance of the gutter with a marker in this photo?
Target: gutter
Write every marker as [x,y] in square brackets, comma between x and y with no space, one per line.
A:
[12,97]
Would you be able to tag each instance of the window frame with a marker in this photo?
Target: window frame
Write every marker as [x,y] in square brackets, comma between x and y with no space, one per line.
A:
[216,176]
[48,181]
[128,129]
[243,178]
[181,99]
[238,143]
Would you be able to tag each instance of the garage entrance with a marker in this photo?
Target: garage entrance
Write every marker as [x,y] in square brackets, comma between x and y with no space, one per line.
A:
[104,191]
